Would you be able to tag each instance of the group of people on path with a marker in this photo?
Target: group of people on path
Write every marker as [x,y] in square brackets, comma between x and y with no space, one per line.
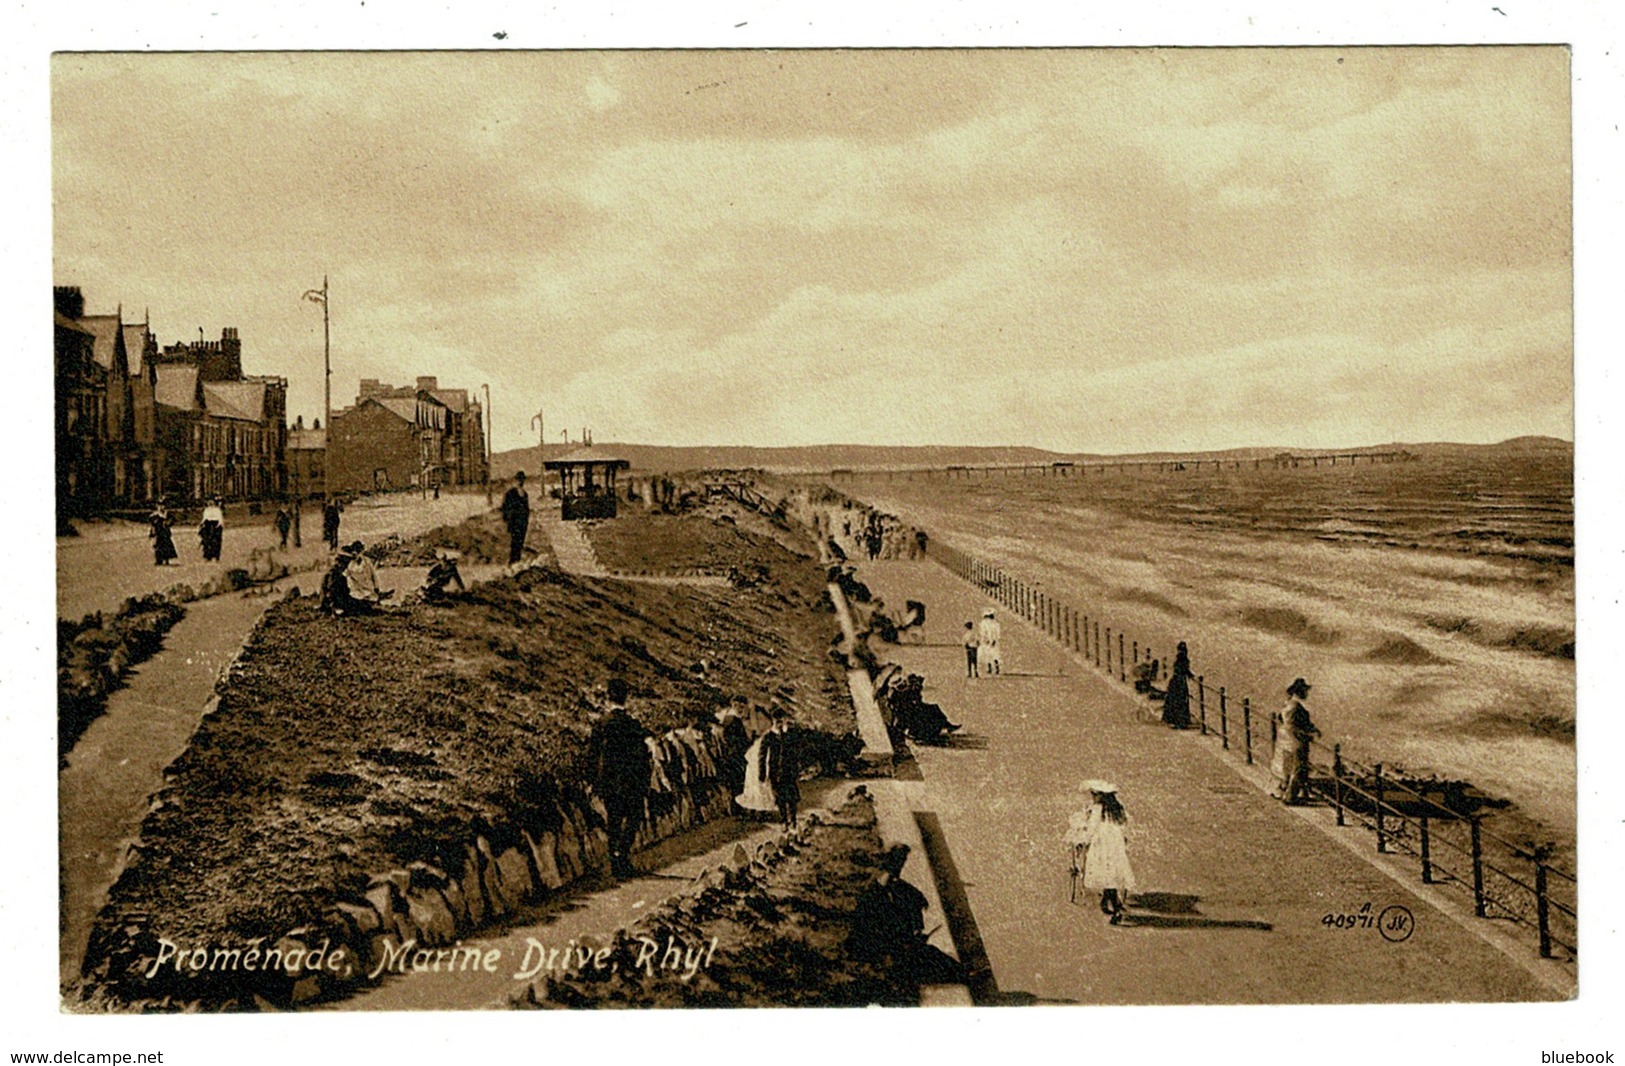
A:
[983,656]
[211,530]
[767,770]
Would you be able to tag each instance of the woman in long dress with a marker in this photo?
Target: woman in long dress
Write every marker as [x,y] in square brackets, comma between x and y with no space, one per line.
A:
[1096,836]
[163,540]
[757,794]
[1176,705]
[1292,733]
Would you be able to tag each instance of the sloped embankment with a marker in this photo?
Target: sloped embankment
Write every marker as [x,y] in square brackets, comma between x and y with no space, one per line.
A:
[768,933]
[359,771]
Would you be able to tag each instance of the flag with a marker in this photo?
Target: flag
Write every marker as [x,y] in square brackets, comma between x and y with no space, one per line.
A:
[315,296]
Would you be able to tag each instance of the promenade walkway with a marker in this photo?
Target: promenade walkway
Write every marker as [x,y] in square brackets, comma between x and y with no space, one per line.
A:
[1232,885]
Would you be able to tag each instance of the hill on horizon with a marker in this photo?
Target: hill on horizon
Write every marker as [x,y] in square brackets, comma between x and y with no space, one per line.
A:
[805,458]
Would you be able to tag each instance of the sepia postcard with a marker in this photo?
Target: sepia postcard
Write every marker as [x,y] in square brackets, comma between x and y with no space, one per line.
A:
[814,528]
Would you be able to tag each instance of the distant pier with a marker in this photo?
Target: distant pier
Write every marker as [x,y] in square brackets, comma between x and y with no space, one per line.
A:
[1187,465]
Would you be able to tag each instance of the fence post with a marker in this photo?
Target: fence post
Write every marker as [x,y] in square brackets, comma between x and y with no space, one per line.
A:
[1382,836]
[1136,653]
[1247,726]
[1201,702]
[1097,644]
[1543,914]
[1337,781]
[1108,651]
[1224,720]
[1122,666]
[1478,868]
[1427,856]
[1086,653]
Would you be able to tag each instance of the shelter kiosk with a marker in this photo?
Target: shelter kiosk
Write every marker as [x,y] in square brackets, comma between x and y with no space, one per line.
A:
[587,482]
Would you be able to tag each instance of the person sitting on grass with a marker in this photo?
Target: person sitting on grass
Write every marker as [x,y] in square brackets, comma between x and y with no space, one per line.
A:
[888,927]
[444,572]
[363,576]
[336,596]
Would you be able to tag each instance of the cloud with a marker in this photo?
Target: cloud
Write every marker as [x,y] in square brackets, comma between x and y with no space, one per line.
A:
[1076,249]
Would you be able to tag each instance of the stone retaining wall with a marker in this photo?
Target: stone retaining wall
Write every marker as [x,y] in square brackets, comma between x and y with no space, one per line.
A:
[505,868]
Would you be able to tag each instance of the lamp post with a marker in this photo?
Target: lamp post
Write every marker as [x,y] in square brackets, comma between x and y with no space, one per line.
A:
[320,296]
[486,414]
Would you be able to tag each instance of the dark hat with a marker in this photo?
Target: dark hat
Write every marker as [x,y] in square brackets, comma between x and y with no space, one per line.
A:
[519,476]
[896,855]
[355,546]
[618,690]
[1300,688]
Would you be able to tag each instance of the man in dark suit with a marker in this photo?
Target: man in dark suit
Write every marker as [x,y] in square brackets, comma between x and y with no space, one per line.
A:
[618,766]
[516,516]
[781,762]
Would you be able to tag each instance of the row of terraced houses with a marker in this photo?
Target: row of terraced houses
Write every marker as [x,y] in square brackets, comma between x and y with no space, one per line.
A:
[137,423]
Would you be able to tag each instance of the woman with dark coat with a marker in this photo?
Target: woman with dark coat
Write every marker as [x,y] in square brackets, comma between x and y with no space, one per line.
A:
[163,541]
[1176,705]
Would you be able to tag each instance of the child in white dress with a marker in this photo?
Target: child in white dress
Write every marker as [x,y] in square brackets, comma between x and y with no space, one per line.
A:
[1099,849]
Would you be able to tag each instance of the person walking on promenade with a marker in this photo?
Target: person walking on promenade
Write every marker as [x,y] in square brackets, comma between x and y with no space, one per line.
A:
[1176,703]
[516,516]
[1294,730]
[284,523]
[163,541]
[990,658]
[971,641]
[618,767]
[330,522]
[211,532]
[1099,849]
[781,767]
[756,795]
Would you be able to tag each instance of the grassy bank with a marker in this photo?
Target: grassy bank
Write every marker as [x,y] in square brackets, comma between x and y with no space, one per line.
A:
[342,748]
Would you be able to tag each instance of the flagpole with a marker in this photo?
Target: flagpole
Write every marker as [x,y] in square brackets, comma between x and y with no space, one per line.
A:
[327,366]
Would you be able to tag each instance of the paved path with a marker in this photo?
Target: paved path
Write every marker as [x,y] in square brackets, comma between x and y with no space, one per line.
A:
[119,761]
[97,571]
[591,913]
[1232,886]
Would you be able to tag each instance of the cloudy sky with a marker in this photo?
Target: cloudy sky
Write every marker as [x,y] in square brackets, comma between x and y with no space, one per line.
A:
[1080,250]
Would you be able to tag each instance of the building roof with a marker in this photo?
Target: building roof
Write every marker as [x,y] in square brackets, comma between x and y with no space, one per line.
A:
[404,407]
[241,400]
[307,439]
[587,454]
[176,386]
[456,399]
[64,322]
[135,345]
[105,329]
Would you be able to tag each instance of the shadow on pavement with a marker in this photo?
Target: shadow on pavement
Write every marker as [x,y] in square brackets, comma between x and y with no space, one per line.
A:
[1172,910]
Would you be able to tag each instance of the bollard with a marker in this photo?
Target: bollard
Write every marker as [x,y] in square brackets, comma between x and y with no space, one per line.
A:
[1427,855]
[1478,868]
[1224,720]
[1201,702]
[1382,836]
[1247,726]
[1337,781]
[1122,669]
